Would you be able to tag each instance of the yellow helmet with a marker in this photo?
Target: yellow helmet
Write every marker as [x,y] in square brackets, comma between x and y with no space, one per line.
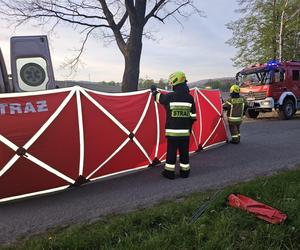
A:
[177,78]
[235,89]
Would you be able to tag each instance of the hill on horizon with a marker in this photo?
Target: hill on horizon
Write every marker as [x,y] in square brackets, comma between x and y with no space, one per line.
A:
[204,82]
[221,83]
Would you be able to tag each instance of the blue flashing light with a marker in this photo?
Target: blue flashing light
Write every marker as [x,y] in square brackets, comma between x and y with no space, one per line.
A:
[272,63]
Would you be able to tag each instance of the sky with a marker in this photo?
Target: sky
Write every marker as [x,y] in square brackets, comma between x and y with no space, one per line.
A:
[198,49]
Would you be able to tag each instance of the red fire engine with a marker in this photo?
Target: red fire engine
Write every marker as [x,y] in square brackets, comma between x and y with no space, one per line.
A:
[271,86]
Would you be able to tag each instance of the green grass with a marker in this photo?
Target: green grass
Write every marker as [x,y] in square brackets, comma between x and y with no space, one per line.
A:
[165,226]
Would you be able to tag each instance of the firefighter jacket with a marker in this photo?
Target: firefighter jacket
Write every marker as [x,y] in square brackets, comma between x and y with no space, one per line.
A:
[180,111]
[235,107]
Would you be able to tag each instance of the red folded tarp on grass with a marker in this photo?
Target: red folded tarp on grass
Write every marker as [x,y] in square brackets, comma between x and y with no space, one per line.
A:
[259,209]
[50,140]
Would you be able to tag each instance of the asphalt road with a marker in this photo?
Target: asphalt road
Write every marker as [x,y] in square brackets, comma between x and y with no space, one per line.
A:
[268,145]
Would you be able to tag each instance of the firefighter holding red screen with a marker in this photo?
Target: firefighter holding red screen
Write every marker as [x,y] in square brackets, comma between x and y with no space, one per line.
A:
[180,115]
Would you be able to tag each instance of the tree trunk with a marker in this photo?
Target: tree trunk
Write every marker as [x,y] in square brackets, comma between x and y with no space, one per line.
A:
[132,58]
[274,42]
[281,32]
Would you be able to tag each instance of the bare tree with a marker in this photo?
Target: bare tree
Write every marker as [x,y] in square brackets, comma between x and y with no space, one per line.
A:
[120,20]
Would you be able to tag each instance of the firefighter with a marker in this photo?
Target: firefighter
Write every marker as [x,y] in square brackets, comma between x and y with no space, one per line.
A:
[235,107]
[180,115]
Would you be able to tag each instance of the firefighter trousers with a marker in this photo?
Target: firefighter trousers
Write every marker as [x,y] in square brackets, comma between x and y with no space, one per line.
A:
[235,132]
[182,145]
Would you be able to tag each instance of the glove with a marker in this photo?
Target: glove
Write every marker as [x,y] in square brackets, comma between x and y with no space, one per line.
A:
[153,88]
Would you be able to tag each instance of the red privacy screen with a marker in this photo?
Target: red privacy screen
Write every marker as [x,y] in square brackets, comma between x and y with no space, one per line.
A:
[50,140]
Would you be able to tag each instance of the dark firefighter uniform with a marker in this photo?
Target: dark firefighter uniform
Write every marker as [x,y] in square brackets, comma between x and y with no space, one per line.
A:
[235,107]
[180,115]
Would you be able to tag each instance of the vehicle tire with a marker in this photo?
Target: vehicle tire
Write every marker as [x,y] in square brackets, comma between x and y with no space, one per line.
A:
[251,113]
[287,110]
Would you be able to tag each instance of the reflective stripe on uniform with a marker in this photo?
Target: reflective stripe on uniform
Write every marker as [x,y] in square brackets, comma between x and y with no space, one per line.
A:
[235,136]
[193,116]
[157,97]
[184,167]
[170,167]
[180,104]
[234,119]
[229,103]
[177,132]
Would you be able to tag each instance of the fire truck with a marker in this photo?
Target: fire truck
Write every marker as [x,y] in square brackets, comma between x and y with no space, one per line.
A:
[271,86]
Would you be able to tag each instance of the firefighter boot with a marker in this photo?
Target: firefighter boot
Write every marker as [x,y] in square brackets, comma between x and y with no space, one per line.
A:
[168,174]
[184,173]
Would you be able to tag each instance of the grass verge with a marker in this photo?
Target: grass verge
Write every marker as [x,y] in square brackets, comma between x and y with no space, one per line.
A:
[165,226]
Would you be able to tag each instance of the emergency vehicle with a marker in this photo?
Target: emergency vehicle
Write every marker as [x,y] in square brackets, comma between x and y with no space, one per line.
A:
[271,86]
[31,66]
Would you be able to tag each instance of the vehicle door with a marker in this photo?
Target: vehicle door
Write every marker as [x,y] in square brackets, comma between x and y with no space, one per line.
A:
[278,83]
[295,81]
[4,82]
[31,64]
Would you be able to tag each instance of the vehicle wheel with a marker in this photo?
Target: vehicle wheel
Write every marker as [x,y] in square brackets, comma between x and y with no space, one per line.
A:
[251,113]
[287,110]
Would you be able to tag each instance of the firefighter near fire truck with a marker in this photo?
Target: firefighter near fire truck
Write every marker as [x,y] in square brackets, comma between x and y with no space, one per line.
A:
[180,116]
[235,107]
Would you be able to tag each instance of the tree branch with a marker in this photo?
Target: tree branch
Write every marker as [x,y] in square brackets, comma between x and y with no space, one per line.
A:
[153,11]
[73,64]
[77,13]
[175,10]
[116,30]
[178,6]
[40,9]
[122,21]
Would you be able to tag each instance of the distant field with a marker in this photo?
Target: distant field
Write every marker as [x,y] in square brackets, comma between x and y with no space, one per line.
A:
[93,86]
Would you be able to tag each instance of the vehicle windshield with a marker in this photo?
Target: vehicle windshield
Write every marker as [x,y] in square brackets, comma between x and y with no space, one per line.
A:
[254,78]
